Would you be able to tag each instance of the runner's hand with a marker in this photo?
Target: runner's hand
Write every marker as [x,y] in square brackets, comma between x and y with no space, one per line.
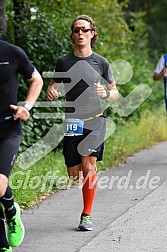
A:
[20,112]
[165,72]
[52,93]
[100,90]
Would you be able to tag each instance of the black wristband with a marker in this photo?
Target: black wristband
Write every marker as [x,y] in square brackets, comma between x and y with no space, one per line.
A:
[107,96]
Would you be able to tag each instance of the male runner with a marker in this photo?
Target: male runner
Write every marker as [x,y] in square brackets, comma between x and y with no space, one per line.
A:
[85,123]
[13,61]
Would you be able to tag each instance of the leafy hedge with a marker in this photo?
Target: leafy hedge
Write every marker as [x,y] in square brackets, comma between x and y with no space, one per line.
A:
[45,37]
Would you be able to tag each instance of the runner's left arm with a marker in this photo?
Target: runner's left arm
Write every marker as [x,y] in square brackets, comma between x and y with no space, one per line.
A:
[110,94]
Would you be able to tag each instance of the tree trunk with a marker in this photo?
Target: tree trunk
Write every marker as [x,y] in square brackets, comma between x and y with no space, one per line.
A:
[3,24]
[21,12]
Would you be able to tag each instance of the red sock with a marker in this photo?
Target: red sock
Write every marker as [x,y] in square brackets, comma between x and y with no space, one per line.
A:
[88,191]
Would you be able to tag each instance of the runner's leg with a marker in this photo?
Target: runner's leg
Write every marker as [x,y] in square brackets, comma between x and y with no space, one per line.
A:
[89,183]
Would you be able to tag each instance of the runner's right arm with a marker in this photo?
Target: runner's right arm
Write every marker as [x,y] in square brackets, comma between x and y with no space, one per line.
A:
[159,76]
[52,91]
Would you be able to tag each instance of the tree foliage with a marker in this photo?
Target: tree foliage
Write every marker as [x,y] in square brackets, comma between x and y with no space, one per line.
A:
[3,23]
[42,29]
[155,20]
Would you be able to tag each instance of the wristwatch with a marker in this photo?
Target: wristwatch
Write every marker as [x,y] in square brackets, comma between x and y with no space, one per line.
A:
[107,95]
[27,106]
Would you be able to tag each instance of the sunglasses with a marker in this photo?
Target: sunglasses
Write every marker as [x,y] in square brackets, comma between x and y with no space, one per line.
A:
[83,29]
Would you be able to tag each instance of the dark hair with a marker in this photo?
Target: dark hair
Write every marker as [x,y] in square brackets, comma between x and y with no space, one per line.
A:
[92,26]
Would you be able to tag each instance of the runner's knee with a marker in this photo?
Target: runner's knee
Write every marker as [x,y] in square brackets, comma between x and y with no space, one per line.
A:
[3,184]
[88,168]
[88,165]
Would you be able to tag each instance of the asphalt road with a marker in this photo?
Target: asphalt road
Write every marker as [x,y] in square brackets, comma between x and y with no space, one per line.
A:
[129,212]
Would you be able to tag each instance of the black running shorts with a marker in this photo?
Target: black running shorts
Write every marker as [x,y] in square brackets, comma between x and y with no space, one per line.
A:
[10,138]
[91,143]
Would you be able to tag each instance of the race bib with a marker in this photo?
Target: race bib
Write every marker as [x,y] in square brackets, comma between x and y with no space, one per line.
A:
[73,127]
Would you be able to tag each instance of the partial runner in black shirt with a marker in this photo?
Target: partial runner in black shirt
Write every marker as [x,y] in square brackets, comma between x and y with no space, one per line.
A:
[85,124]
[13,61]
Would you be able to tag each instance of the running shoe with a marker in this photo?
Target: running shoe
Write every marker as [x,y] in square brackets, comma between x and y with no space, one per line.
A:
[85,223]
[16,229]
[6,249]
